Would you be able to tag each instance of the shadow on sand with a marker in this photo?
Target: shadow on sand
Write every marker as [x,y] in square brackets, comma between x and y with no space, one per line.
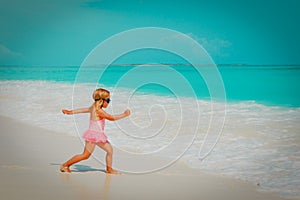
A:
[82,168]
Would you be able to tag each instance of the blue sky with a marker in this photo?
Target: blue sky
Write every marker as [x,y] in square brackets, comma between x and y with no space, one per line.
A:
[63,32]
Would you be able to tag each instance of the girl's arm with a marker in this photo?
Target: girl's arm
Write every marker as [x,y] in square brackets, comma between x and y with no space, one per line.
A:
[102,114]
[76,111]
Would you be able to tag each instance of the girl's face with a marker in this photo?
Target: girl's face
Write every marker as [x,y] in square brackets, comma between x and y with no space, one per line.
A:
[105,104]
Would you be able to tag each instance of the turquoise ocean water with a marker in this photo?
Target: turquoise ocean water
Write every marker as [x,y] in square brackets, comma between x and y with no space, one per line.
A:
[269,85]
[260,140]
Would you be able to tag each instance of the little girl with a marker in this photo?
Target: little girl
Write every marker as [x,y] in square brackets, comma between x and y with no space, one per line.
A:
[95,134]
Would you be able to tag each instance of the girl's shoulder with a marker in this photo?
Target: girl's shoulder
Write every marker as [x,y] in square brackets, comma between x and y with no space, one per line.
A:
[99,111]
[91,109]
[93,113]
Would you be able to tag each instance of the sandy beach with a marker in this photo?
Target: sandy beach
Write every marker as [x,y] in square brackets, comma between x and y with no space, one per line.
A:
[30,159]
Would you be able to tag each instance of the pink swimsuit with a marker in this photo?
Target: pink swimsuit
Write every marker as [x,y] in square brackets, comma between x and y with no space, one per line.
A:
[95,133]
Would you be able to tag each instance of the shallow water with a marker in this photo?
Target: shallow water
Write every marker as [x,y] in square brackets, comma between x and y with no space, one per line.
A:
[268,85]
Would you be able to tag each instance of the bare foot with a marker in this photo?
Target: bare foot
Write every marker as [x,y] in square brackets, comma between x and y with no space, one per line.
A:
[109,170]
[65,169]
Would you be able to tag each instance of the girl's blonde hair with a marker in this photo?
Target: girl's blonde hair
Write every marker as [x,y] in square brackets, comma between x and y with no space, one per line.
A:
[98,96]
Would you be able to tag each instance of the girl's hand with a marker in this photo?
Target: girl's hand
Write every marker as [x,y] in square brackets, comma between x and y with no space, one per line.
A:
[67,112]
[127,112]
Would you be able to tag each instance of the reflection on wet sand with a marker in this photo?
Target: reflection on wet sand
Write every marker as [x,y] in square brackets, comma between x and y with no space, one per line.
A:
[84,190]
[106,186]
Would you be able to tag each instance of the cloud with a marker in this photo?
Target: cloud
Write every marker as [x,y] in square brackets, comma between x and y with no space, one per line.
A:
[217,47]
[7,53]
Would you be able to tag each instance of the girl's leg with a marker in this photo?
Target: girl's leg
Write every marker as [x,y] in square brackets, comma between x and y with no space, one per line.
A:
[109,153]
[88,150]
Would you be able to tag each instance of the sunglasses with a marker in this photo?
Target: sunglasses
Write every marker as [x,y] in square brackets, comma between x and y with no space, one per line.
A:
[104,99]
[107,100]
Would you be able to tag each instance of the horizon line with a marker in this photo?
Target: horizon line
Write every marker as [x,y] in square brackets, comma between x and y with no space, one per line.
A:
[154,64]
